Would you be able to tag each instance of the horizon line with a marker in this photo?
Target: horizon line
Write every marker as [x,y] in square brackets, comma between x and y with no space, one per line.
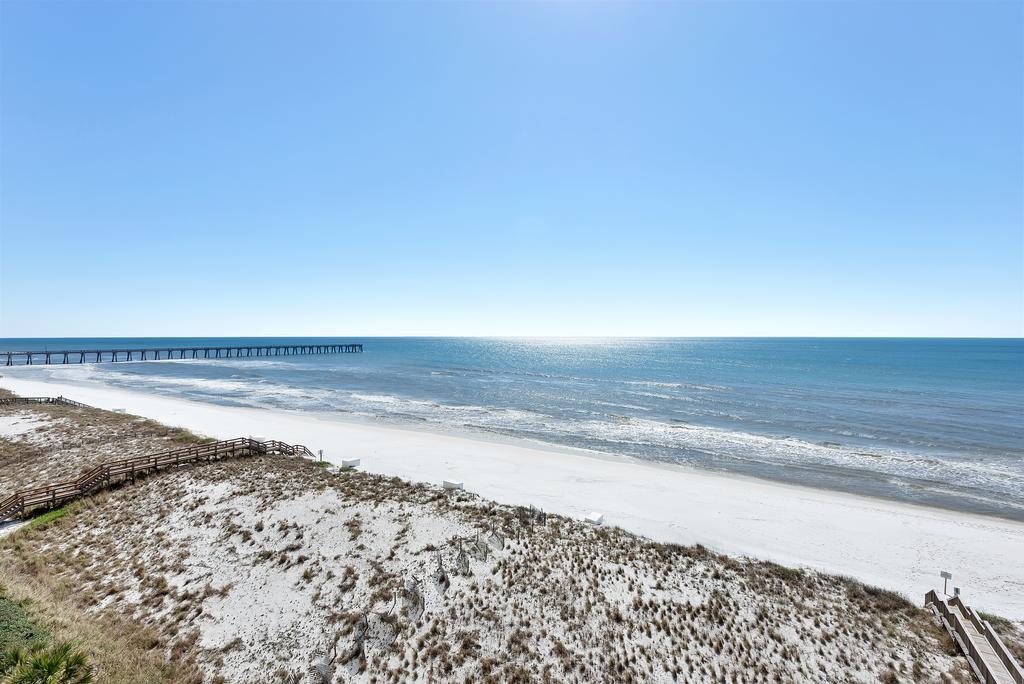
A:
[529,337]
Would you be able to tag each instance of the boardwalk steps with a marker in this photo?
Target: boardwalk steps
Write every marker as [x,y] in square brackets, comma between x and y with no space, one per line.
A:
[49,357]
[106,474]
[989,658]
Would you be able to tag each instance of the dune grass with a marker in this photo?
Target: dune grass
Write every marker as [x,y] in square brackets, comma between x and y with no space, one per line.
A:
[39,609]
[50,516]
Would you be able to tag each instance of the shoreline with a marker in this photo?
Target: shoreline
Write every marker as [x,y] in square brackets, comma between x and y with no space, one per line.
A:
[899,546]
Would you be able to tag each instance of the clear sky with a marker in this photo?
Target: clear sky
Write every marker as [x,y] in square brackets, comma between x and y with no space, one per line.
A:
[234,168]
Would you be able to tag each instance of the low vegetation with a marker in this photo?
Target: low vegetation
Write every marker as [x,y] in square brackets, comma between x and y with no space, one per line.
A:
[16,629]
[28,652]
[57,664]
[48,443]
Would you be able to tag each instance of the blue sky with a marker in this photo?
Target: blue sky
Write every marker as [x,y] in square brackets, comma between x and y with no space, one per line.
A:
[511,169]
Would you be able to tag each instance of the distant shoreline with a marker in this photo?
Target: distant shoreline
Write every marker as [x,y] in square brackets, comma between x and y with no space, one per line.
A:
[895,545]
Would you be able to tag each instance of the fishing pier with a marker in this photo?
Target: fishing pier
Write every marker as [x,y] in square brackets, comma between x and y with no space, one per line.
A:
[47,357]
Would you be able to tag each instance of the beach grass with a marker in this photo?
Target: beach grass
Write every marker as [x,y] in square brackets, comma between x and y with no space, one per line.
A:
[50,516]
[530,599]
[39,607]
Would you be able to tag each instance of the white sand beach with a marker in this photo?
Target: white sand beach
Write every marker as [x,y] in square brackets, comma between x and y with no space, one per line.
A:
[892,545]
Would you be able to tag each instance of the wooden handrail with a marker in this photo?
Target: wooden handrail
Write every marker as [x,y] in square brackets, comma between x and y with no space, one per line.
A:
[42,400]
[994,641]
[101,475]
[954,624]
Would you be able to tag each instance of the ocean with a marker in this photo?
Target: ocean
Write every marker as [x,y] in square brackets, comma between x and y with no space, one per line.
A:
[931,421]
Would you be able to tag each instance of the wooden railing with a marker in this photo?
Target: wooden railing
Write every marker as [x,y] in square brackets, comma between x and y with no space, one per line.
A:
[992,638]
[954,623]
[105,474]
[5,401]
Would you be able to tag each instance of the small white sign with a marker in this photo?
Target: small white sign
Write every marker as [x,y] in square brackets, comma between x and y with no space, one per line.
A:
[350,463]
[453,484]
[945,575]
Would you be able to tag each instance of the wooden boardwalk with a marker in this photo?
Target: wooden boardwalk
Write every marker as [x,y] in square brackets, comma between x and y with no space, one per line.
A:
[989,658]
[49,357]
[109,473]
[61,401]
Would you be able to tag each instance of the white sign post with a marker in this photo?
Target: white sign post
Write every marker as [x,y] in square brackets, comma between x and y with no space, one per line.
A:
[945,581]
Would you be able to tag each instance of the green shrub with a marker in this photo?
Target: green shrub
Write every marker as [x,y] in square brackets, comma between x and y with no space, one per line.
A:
[16,630]
[48,517]
[58,664]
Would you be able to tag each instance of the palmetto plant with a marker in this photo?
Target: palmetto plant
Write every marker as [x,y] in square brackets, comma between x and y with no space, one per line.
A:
[58,664]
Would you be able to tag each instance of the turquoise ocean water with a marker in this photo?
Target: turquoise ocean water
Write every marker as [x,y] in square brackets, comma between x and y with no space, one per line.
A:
[928,421]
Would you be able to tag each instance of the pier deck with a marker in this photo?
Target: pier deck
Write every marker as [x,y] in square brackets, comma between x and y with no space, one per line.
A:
[48,357]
